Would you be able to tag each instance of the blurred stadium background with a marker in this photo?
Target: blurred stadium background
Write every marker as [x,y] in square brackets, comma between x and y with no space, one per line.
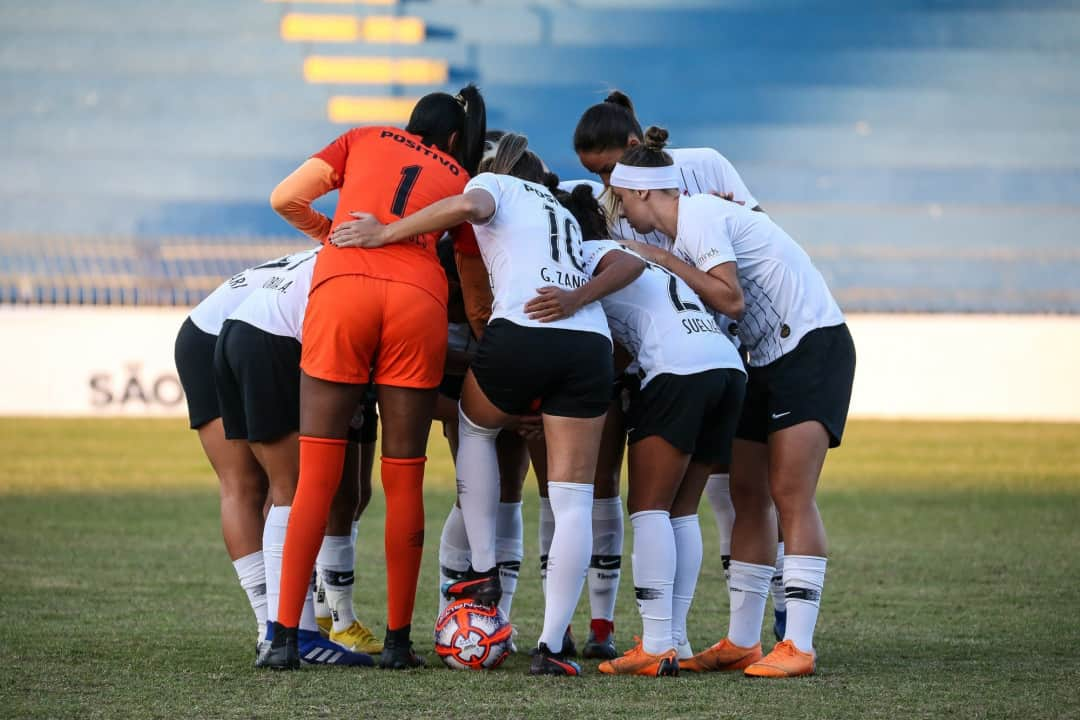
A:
[926,152]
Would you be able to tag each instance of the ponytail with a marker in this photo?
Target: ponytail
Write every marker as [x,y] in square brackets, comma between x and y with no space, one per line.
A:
[607,125]
[586,210]
[470,146]
[437,116]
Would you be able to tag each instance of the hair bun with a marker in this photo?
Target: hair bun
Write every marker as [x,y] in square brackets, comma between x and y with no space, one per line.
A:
[581,192]
[551,181]
[656,138]
[617,97]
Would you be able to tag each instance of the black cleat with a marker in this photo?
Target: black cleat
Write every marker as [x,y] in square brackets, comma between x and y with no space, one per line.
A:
[569,647]
[283,652]
[482,588]
[545,662]
[601,642]
[397,653]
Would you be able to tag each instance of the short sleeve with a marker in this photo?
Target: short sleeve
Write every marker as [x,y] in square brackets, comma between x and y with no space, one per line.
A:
[728,180]
[489,183]
[335,155]
[705,239]
[595,250]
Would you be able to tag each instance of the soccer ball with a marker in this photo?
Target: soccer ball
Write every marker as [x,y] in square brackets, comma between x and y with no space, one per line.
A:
[469,636]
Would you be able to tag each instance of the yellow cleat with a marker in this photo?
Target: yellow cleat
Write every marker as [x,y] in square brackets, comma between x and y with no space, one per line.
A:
[638,662]
[357,638]
[326,624]
[785,660]
[722,657]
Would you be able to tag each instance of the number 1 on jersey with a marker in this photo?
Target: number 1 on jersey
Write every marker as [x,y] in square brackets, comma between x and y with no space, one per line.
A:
[409,174]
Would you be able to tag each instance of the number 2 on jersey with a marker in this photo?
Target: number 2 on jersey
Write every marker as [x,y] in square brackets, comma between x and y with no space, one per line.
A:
[409,174]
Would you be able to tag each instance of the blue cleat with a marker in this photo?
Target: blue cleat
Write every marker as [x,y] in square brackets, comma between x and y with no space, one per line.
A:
[314,649]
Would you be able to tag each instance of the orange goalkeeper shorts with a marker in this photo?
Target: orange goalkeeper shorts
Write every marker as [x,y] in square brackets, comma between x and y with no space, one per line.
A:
[358,328]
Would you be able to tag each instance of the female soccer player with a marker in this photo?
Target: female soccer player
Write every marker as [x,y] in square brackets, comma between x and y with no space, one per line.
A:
[528,238]
[257,370]
[682,422]
[374,314]
[603,133]
[243,484]
[801,365]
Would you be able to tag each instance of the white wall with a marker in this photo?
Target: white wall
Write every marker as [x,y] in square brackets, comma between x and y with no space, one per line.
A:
[100,361]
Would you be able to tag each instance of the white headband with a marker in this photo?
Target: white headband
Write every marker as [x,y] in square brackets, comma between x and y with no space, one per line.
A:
[631,177]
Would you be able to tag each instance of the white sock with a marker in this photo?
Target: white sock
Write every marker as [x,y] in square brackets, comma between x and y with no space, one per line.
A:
[322,609]
[688,553]
[779,603]
[718,490]
[547,530]
[654,576]
[748,589]
[354,533]
[307,613]
[453,552]
[336,564]
[568,558]
[606,560]
[509,550]
[478,489]
[804,577]
[252,574]
[273,545]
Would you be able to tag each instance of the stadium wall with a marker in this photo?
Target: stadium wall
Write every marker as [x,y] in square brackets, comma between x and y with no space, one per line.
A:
[72,361]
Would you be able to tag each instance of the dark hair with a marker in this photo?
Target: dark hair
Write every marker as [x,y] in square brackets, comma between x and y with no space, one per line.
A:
[607,125]
[437,116]
[513,157]
[586,210]
[650,153]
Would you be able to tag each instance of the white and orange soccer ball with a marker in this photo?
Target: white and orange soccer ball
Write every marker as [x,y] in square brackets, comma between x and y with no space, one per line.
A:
[469,636]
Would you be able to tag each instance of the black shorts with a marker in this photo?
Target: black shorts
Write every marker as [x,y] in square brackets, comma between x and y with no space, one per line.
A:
[568,373]
[812,382]
[194,356]
[258,383]
[451,386]
[695,413]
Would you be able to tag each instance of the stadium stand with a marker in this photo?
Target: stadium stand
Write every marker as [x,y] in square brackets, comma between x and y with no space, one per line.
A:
[926,153]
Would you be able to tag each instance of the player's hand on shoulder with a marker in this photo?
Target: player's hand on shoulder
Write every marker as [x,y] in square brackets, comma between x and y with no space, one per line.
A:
[551,304]
[365,232]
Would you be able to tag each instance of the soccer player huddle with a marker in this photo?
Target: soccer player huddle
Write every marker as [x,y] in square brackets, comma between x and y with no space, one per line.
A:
[659,313]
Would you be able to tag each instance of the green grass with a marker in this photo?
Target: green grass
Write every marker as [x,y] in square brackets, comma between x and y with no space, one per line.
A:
[952,590]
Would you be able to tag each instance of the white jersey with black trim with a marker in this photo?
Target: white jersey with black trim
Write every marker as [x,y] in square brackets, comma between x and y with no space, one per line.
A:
[660,320]
[210,314]
[701,171]
[530,242]
[278,304]
[785,295]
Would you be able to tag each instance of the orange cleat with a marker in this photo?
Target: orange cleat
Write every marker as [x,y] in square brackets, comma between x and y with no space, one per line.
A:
[724,656]
[638,662]
[785,660]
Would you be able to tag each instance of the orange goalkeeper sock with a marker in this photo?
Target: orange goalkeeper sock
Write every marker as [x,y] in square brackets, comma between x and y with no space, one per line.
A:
[321,464]
[403,485]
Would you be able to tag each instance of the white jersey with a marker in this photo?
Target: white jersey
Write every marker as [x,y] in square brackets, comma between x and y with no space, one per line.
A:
[701,171]
[785,295]
[531,241]
[660,320]
[211,313]
[278,304]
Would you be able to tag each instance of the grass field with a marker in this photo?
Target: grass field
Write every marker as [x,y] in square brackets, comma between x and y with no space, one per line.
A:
[952,590]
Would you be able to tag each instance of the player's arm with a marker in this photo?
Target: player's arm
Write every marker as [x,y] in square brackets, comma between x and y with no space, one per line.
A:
[719,287]
[475,206]
[293,196]
[614,271]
